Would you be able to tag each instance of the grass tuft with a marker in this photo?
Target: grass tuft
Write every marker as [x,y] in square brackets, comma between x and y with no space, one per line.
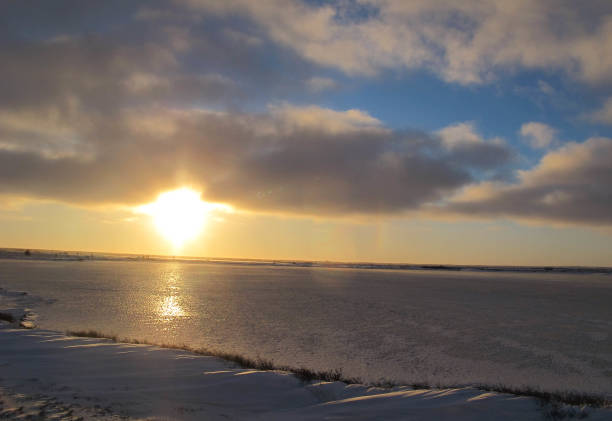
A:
[7,317]
[92,334]
[550,400]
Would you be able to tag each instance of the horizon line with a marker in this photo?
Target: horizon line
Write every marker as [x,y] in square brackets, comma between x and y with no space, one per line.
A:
[295,262]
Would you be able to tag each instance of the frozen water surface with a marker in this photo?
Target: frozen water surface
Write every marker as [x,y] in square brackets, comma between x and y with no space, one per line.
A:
[552,331]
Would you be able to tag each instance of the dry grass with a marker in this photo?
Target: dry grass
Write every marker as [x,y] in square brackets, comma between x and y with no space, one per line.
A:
[92,334]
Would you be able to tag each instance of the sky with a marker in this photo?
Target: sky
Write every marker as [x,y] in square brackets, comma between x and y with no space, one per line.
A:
[472,132]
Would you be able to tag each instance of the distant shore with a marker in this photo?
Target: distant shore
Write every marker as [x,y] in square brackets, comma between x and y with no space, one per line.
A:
[62,255]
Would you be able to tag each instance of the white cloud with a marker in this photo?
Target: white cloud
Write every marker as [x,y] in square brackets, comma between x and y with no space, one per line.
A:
[465,133]
[325,119]
[460,133]
[467,42]
[539,135]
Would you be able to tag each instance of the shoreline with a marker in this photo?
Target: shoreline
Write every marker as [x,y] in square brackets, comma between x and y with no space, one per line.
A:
[132,380]
[574,398]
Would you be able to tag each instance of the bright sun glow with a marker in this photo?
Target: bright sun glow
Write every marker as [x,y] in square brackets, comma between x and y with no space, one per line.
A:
[179,215]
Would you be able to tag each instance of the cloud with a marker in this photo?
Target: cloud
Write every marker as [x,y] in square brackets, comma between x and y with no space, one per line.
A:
[204,51]
[464,42]
[118,58]
[460,134]
[331,121]
[469,147]
[302,160]
[143,99]
[569,185]
[538,135]
[604,114]
[117,101]
[306,160]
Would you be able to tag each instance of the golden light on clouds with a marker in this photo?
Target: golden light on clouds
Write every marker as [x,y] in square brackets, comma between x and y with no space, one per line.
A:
[180,215]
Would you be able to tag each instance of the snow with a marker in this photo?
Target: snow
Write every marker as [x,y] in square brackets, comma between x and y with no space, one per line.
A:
[85,375]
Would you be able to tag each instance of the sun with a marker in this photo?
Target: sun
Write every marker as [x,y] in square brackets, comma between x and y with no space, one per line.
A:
[179,215]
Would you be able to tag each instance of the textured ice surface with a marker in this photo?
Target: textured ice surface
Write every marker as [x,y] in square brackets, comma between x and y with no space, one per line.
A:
[552,331]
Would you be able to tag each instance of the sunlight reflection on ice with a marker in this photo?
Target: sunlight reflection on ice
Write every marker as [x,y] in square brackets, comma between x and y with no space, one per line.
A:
[169,307]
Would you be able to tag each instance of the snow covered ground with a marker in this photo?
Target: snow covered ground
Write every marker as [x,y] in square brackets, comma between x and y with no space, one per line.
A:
[49,374]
